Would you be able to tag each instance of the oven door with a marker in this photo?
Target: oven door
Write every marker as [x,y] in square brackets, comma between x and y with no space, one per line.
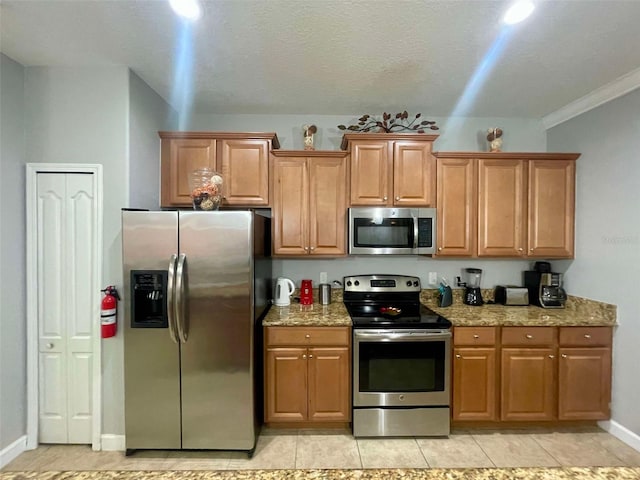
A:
[401,368]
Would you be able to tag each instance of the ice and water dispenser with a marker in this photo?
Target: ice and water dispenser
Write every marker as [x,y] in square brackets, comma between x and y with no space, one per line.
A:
[149,299]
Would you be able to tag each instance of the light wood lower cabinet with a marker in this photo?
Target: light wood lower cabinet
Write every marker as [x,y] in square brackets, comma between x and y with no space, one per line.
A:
[540,373]
[474,374]
[307,374]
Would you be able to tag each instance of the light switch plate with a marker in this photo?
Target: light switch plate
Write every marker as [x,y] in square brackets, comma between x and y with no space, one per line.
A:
[433,278]
[323,277]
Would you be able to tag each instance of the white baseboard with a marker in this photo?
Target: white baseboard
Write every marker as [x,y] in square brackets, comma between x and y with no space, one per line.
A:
[113,442]
[10,452]
[623,433]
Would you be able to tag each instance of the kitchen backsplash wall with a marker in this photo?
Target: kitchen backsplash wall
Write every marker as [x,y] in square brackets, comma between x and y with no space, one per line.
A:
[494,272]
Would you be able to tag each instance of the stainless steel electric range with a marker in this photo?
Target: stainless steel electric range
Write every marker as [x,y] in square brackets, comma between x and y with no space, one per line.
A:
[401,359]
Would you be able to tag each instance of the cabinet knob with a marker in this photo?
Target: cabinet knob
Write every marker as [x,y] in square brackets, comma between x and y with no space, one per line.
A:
[520,249]
[531,249]
[397,199]
[310,356]
[564,355]
[307,336]
[586,335]
[304,356]
[384,198]
[552,356]
[458,356]
[529,336]
[306,249]
[224,197]
[476,336]
[49,345]
[439,249]
[313,248]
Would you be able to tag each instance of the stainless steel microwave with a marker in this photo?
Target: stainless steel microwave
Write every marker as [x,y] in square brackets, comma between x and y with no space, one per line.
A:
[392,231]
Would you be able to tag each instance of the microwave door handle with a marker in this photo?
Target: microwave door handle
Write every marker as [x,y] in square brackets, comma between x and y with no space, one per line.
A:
[171,294]
[415,233]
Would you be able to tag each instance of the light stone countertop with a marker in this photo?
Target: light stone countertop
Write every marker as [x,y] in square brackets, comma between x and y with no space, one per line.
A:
[577,312]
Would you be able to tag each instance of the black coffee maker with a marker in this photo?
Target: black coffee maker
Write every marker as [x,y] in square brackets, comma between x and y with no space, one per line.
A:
[472,293]
[545,286]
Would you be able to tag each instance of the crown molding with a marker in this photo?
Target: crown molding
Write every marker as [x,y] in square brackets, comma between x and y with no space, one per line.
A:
[604,94]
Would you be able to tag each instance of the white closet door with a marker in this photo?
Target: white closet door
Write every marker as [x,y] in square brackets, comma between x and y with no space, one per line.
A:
[66,215]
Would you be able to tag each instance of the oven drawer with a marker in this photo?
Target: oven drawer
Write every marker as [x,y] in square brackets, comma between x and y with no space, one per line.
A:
[524,336]
[485,336]
[286,336]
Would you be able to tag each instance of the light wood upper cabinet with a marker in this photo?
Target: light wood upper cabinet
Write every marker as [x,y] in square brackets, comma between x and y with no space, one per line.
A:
[392,169]
[242,158]
[309,203]
[520,204]
[456,211]
[244,164]
[180,156]
[501,207]
[551,208]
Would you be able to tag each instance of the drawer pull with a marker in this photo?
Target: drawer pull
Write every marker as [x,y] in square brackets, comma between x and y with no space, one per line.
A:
[476,336]
[307,336]
[529,336]
[564,355]
[586,335]
[552,356]
[49,345]
[458,356]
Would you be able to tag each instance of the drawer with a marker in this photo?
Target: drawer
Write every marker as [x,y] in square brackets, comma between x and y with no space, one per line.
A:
[335,336]
[474,336]
[585,336]
[523,336]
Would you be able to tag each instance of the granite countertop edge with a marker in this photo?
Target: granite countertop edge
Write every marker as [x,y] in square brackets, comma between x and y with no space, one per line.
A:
[579,312]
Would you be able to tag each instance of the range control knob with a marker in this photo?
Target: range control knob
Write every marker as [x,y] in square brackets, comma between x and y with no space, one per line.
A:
[349,283]
[408,283]
[415,283]
[356,283]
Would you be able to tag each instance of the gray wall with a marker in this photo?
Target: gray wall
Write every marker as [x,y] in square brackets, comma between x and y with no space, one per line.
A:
[607,263]
[466,134]
[13,374]
[148,114]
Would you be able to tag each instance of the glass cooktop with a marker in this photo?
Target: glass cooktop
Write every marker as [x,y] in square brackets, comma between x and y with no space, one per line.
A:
[395,315]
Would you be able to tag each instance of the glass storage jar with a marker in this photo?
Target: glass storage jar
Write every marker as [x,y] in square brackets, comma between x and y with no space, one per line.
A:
[206,189]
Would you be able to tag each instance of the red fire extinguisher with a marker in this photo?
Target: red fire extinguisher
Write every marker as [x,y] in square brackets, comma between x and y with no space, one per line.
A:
[109,311]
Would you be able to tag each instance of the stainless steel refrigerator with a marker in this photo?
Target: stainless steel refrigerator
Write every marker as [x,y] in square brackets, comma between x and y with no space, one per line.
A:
[196,287]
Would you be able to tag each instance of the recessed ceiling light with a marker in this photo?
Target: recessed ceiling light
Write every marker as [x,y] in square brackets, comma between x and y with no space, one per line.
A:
[189,9]
[518,12]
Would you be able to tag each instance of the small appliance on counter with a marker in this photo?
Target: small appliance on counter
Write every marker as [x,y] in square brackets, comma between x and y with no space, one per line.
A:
[511,295]
[472,293]
[445,296]
[324,294]
[284,288]
[306,292]
[544,286]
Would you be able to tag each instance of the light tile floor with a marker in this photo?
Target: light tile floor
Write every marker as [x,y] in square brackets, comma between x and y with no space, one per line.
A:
[304,449]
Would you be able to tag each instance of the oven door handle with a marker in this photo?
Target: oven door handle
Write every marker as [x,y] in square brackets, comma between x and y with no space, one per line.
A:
[393,336]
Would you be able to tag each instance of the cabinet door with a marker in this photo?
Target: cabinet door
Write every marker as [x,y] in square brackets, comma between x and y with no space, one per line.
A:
[286,385]
[474,384]
[414,174]
[456,201]
[527,389]
[290,206]
[551,208]
[584,383]
[179,157]
[370,173]
[327,206]
[329,385]
[244,165]
[501,207]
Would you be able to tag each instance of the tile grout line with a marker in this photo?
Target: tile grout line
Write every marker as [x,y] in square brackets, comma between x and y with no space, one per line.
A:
[473,437]
[422,453]
[359,452]
[533,437]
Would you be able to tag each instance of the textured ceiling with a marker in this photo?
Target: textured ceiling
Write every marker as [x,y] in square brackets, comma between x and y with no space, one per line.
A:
[339,56]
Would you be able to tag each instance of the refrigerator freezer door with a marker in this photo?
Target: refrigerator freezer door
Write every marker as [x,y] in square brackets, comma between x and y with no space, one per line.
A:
[217,366]
[151,357]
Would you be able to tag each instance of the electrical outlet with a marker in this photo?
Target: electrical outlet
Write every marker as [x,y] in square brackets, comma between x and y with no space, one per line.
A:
[323,277]
[433,278]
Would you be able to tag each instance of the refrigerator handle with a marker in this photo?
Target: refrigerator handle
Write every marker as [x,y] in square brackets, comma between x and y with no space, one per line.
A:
[171,293]
[182,320]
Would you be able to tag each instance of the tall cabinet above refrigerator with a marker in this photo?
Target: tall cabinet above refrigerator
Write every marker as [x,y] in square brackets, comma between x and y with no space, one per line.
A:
[197,285]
